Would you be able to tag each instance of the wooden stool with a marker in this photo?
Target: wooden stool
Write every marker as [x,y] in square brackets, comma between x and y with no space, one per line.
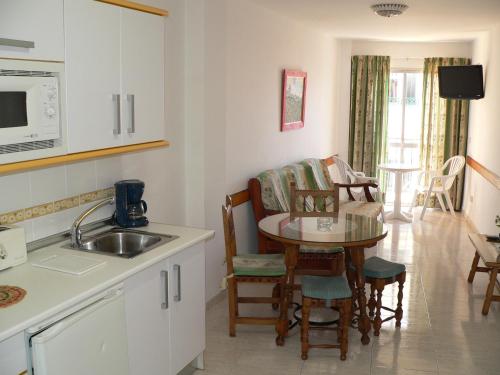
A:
[379,273]
[318,291]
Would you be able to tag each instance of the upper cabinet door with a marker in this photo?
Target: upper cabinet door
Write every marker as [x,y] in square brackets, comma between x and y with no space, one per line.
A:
[142,77]
[32,29]
[92,31]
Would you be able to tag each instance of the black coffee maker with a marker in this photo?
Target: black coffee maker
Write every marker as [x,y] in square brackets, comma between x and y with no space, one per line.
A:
[130,208]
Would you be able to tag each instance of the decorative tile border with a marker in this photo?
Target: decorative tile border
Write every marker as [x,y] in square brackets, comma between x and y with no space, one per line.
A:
[56,206]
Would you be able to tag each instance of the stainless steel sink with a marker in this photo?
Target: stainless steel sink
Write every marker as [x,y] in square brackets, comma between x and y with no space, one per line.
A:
[125,243]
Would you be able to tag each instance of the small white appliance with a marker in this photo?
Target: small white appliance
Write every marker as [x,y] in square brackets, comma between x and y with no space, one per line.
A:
[32,118]
[29,108]
[91,338]
[12,246]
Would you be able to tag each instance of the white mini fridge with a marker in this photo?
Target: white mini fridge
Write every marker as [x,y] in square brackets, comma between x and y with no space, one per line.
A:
[92,340]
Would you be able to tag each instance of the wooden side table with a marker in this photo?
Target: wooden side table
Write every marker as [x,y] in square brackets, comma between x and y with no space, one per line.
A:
[489,252]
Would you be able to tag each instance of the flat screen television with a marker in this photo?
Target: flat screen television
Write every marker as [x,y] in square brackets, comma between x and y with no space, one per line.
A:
[461,82]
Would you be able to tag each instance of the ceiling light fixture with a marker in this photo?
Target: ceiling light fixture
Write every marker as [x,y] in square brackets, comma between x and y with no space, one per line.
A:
[389,9]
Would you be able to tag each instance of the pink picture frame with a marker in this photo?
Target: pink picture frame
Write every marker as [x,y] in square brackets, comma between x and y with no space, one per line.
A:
[293,102]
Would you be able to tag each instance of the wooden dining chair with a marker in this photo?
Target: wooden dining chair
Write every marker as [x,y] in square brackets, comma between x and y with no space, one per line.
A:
[313,203]
[317,203]
[319,291]
[251,268]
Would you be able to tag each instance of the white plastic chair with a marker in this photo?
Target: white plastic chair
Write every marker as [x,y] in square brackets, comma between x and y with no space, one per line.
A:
[440,184]
[349,176]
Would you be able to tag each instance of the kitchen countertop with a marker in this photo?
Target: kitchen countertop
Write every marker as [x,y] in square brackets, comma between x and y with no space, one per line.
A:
[51,292]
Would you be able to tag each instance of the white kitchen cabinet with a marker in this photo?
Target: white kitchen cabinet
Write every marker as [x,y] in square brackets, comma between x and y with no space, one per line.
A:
[143,81]
[13,355]
[148,320]
[165,309]
[115,75]
[92,74]
[32,29]
[187,318]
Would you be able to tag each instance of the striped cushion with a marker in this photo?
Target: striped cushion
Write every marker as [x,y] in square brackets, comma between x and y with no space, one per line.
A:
[327,288]
[320,250]
[379,268]
[259,265]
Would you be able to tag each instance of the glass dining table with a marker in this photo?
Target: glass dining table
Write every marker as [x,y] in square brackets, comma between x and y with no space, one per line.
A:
[354,233]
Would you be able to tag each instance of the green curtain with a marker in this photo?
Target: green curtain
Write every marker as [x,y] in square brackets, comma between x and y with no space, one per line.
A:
[369,112]
[444,127]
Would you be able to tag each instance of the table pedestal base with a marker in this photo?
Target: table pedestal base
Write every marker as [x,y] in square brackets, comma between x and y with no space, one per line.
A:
[322,316]
[392,215]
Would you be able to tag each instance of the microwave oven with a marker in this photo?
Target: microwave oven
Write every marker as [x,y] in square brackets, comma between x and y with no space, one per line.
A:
[31,110]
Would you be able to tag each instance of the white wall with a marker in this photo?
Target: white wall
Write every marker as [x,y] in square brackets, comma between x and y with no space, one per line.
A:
[245,50]
[482,200]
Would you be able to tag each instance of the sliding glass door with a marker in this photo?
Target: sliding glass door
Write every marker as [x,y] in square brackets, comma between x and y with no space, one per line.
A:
[404,124]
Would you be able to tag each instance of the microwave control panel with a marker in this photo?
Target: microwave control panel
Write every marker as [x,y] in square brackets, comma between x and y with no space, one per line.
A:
[49,97]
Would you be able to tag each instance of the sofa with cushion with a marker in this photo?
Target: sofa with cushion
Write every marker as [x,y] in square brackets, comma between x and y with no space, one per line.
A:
[269,193]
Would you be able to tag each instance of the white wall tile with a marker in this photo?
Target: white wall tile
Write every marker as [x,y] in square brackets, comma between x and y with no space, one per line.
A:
[28,229]
[108,171]
[14,192]
[51,224]
[81,177]
[48,185]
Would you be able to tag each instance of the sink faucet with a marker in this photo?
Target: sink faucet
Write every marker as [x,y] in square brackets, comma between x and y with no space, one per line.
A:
[76,233]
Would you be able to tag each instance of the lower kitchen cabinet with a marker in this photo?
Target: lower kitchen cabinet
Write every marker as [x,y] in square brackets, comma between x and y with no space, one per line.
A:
[13,355]
[187,317]
[165,310]
[148,320]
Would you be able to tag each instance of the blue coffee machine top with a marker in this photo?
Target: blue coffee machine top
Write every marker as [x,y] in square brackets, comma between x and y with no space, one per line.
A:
[130,208]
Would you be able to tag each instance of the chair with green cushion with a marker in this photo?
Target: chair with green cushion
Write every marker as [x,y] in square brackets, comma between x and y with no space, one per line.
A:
[378,273]
[251,268]
[319,291]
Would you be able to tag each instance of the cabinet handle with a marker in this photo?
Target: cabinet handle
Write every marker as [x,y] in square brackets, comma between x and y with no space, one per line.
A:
[131,113]
[177,297]
[17,43]
[117,128]
[164,304]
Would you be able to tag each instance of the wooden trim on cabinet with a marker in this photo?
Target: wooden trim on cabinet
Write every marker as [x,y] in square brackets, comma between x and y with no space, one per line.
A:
[80,156]
[490,176]
[137,6]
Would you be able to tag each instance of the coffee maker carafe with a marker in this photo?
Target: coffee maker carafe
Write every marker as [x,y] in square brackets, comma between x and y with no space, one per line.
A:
[130,208]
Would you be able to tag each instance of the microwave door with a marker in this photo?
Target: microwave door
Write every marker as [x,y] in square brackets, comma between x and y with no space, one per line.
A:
[13,113]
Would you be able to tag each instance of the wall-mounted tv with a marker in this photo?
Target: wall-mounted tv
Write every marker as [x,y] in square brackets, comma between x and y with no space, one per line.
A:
[461,82]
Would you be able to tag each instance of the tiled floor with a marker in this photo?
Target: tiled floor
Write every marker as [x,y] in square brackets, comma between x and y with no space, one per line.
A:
[443,331]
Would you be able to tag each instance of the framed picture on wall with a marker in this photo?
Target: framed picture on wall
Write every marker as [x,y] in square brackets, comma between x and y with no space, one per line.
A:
[293,103]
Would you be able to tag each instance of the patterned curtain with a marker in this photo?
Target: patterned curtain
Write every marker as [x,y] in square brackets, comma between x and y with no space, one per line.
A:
[444,127]
[369,108]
